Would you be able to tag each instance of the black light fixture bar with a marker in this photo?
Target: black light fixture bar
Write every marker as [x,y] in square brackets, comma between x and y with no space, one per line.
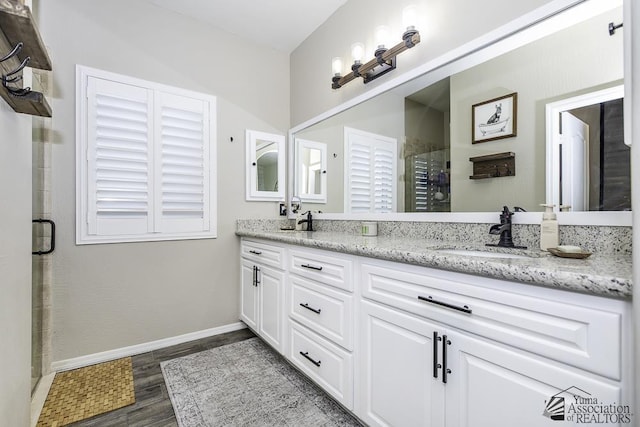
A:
[383,62]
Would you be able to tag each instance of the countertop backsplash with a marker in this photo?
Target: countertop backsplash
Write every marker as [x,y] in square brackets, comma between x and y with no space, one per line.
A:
[597,239]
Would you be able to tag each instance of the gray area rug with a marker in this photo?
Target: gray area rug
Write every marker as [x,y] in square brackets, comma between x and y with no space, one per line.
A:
[246,384]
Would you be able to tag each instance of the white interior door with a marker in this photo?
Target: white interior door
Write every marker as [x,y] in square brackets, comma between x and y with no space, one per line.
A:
[574,176]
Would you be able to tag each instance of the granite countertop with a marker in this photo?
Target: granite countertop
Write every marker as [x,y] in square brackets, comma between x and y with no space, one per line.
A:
[605,275]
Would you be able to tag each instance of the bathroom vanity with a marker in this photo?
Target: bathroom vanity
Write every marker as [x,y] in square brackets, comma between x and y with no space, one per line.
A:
[411,332]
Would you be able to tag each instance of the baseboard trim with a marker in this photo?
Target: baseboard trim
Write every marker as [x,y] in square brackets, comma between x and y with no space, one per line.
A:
[39,396]
[105,356]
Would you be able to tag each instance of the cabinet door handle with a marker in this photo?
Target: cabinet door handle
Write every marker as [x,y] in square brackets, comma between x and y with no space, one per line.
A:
[436,365]
[255,252]
[312,267]
[315,310]
[257,275]
[429,299]
[253,281]
[445,370]
[306,356]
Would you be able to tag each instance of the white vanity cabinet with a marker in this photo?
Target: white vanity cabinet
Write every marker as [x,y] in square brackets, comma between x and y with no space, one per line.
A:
[263,291]
[435,353]
[320,308]
[404,345]
[396,367]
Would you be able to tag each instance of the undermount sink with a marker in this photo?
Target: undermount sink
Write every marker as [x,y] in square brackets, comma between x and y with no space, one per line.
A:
[482,254]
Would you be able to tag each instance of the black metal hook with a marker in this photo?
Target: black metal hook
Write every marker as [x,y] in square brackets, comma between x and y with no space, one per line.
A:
[13,52]
[20,67]
[18,92]
[613,28]
[15,79]
[6,79]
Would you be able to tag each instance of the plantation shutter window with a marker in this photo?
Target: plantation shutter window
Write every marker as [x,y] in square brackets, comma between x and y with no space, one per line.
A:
[183,175]
[371,170]
[145,158]
[421,180]
[118,153]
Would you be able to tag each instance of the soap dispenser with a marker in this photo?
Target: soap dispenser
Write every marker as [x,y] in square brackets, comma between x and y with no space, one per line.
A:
[549,233]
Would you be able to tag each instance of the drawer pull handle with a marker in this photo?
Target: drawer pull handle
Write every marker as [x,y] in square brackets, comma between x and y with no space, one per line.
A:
[312,267]
[464,309]
[305,305]
[306,356]
[255,252]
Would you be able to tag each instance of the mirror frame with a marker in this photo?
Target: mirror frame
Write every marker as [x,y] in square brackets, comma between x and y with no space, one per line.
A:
[252,193]
[541,22]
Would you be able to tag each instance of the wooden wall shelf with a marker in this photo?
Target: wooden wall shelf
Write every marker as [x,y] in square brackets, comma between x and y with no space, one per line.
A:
[497,165]
[17,25]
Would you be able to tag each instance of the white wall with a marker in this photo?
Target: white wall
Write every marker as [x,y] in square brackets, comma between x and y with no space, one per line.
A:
[15,266]
[115,295]
[444,25]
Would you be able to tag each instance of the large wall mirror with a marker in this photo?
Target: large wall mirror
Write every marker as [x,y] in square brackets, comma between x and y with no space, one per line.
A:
[442,164]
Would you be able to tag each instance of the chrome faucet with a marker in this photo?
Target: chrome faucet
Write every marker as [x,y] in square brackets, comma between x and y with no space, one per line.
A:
[309,221]
[504,229]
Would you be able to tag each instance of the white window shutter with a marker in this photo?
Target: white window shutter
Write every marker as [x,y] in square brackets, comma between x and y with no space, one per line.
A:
[359,177]
[118,156]
[145,160]
[182,180]
[371,168]
[421,183]
[384,173]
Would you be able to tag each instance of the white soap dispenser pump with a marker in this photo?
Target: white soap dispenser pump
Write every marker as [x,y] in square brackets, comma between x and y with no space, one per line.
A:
[549,233]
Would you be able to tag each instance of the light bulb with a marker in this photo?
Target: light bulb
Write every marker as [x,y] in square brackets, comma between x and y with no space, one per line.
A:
[409,17]
[336,66]
[357,52]
[382,36]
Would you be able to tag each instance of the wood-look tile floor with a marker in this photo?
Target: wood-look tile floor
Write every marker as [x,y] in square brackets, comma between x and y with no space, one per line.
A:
[153,406]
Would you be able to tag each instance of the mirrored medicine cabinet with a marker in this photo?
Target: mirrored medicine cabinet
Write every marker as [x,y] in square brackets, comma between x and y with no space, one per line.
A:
[265,171]
[311,171]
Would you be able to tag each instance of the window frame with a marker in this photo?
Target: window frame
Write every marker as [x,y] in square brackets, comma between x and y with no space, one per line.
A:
[83,236]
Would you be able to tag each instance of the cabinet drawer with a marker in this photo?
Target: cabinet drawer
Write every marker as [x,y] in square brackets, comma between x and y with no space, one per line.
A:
[579,330]
[322,309]
[318,265]
[263,253]
[325,363]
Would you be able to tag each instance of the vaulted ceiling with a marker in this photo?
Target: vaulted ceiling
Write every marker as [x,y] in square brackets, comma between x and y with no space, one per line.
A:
[278,24]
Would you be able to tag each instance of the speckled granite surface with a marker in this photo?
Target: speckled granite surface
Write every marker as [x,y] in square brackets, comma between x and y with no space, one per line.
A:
[607,273]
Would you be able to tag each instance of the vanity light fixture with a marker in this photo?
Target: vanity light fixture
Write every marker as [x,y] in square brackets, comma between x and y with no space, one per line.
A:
[384,59]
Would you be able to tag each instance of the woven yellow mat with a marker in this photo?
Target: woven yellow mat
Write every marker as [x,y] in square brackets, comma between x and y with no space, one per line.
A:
[86,392]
